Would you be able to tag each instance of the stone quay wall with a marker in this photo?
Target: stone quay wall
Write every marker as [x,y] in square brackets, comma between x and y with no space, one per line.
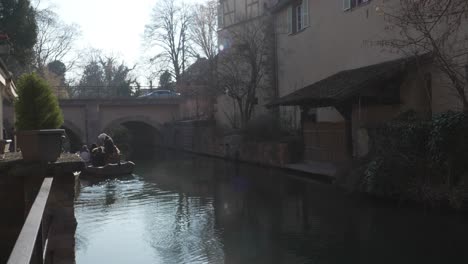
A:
[204,137]
[19,184]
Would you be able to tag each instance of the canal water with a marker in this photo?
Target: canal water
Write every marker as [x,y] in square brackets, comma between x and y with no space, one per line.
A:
[187,209]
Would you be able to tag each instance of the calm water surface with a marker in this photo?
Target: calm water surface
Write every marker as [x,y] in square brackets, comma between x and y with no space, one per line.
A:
[187,209]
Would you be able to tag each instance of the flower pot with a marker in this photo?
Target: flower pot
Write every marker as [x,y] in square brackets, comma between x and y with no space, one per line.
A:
[40,145]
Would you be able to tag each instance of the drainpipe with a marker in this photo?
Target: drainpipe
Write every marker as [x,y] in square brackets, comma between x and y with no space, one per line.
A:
[1,113]
[275,65]
[466,73]
[466,76]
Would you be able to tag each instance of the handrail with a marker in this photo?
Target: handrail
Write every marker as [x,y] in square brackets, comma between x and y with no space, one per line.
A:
[28,238]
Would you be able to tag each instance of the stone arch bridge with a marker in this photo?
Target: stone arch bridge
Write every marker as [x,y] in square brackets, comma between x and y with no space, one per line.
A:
[87,118]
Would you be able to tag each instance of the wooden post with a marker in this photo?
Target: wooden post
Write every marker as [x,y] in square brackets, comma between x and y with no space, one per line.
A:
[304,112]
[346,110]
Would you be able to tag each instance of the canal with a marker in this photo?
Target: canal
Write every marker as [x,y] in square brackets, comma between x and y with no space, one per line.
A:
[180,208]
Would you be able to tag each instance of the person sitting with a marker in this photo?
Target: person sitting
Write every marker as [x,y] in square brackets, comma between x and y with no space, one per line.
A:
[84,154]
[97,157]
[112,153]
[93,146]
[102,138]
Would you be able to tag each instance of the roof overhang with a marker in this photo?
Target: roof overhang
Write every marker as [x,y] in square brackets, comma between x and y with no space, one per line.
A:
[7,86]
[379,83]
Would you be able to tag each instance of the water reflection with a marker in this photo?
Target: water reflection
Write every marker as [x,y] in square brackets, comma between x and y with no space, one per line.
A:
[186,209]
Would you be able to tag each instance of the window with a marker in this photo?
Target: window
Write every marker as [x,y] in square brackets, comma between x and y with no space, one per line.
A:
[227,9]
[252,8]
[350,4]
[298,17]
[220,15]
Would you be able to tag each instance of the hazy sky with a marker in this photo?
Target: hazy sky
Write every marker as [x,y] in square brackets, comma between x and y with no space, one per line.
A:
[113,26]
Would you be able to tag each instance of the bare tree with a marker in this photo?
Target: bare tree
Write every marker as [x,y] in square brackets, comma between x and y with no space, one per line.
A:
[168,30]
[55,39]
[436,27]
[204,36]
[245,66]
[203,29]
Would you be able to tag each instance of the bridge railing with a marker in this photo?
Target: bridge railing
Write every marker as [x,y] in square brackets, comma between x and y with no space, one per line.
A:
[31,245]
[98,92]
[102,92]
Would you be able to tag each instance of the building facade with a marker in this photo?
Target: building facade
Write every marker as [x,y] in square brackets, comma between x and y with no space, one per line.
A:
[239,21]
[322,45]
[7,93]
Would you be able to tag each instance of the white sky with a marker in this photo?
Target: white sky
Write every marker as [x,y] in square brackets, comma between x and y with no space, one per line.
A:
[113,26]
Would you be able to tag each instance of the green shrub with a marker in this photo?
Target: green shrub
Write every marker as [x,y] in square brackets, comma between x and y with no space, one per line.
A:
[398,156]
[36,106]
[420,160]
[448,144]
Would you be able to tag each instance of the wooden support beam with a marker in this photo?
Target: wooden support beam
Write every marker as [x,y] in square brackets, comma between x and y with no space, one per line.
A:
[346,110]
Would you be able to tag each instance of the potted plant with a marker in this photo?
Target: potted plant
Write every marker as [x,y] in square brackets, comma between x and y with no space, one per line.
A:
[38,117]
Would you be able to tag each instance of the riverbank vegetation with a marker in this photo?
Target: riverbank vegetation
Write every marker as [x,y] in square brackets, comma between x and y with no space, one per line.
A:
[421,160]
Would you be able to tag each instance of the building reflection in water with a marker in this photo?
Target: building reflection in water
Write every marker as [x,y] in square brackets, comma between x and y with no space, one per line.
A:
[190,209]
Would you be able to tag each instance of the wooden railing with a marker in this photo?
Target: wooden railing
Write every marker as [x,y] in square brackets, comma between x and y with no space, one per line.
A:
[31,245]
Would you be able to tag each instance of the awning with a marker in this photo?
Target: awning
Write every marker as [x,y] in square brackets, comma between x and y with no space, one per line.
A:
[347,84]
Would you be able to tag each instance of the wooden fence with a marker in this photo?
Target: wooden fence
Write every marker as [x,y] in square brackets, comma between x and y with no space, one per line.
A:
[325,141]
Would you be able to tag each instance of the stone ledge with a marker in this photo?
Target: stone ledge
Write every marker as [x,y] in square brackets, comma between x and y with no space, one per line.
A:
[14,165]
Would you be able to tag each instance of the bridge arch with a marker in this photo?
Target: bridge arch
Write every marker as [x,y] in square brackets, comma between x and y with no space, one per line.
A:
[141,134]
[74,134]
[73,128]
[137,118]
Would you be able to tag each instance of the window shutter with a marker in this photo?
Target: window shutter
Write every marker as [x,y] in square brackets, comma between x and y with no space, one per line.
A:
[305,13]
[289,20]
[346,4]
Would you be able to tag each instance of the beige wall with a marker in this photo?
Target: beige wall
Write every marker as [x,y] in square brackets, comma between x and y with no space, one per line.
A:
[334,41]
[338,40]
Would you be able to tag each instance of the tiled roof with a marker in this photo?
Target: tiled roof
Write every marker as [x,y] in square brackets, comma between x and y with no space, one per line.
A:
[345,84]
